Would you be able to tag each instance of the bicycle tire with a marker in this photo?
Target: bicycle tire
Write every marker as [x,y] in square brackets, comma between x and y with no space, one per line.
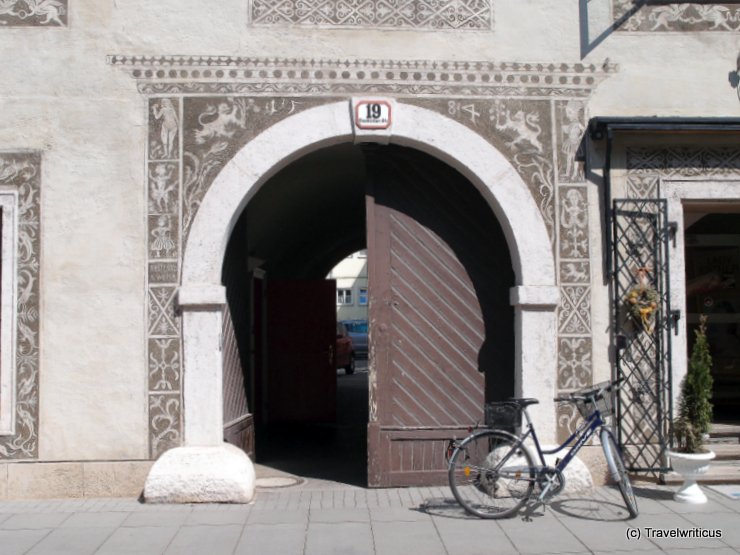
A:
[482,489]
[615,462]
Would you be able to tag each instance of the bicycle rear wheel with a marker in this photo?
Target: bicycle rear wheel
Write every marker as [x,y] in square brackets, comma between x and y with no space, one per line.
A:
[490,475]
[615,462]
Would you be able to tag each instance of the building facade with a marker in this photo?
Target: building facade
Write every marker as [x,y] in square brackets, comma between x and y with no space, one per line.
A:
[352,290]
[170,171]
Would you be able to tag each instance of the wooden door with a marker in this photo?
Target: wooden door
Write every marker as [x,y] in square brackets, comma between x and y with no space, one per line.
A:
[301,333]
[439,275]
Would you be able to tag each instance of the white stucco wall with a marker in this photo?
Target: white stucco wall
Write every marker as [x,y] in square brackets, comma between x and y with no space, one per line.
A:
[93,376]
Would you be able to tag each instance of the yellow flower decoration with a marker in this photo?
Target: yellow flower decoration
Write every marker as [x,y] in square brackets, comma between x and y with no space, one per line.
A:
[642,303]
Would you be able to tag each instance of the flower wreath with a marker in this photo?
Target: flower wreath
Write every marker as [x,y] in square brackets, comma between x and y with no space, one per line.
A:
[642,303]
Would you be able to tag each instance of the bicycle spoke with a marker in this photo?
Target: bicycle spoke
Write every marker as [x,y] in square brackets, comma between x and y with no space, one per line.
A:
[490,476]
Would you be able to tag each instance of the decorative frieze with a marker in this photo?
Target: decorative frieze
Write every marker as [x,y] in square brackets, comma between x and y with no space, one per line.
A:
[21,172]
[646,166]
[687,161]
[164,344]
[380,14]
[575,343]
[33,13]
[635,15]
[230,75]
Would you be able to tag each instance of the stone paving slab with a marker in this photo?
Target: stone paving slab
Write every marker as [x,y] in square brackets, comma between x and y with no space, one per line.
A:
[342,538]
[200,540]
[138,541]
[323,518]
[72,541]
[17,542]
[473,536]
[272,539]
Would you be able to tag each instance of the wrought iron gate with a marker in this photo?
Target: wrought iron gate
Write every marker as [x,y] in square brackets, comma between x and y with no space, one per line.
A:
[643,331]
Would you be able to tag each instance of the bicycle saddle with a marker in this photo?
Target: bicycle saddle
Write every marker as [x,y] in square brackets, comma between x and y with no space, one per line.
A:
[524,402]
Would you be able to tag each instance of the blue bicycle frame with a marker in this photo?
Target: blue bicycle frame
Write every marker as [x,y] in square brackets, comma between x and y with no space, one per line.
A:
[584,432]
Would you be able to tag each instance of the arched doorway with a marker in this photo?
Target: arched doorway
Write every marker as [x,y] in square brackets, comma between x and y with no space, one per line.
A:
[301,222]
[441,325]
[201,297]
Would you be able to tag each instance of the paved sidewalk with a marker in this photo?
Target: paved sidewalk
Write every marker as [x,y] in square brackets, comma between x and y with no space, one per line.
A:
[322,518]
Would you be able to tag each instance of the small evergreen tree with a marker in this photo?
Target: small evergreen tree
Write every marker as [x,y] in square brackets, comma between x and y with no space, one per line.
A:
[695,407]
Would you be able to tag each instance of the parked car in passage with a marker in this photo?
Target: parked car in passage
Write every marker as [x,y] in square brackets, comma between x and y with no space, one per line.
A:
[358,332]
[345,352]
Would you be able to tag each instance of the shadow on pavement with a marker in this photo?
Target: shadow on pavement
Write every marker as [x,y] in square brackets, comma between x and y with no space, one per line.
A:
[326,451]
[595,510]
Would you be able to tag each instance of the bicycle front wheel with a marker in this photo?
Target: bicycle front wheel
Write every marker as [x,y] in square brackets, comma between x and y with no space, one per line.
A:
[491,475]
[615,462]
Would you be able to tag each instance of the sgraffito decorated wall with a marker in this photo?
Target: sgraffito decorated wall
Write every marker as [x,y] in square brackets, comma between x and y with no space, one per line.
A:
[535,114]
[125,113]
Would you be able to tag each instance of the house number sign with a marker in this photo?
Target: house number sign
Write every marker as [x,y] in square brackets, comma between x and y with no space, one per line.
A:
[373,114]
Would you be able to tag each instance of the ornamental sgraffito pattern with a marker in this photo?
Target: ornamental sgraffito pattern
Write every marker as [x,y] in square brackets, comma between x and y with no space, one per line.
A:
[163,324]
[646,166]
[190,141]
[22,171]
[676,17]
[33,13]
[521,130]
[382,14]
[204,110]
[575,343]
[216,128]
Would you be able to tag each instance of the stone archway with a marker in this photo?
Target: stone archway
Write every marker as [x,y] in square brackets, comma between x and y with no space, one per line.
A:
[220,473]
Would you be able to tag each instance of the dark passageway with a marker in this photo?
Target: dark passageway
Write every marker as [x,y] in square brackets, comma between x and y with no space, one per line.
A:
[441,324]
[328,451]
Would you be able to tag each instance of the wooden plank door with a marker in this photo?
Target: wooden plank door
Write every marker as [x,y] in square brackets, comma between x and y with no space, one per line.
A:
[434,253]
[301,334]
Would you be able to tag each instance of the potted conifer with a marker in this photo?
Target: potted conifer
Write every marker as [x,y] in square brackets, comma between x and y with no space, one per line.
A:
[690,458]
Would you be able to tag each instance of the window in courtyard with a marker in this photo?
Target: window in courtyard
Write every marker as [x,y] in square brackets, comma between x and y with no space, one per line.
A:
[344,297]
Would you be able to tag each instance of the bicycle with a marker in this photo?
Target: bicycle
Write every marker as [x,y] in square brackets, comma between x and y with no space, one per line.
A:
[492,473]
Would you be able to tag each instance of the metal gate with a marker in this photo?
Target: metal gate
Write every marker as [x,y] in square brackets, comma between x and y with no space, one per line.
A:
[643,332]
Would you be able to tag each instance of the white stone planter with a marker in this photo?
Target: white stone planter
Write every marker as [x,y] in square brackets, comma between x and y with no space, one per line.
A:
[690,466]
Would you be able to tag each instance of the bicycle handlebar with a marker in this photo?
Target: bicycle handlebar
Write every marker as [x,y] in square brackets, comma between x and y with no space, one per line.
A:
[576,396]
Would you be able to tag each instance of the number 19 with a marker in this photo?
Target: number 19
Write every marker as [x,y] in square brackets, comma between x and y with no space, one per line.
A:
[373,111]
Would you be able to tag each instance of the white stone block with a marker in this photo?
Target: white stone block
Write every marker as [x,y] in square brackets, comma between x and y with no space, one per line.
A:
[222,474]
[577,475]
